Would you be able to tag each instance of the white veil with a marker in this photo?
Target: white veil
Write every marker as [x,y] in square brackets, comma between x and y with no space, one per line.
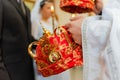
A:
[35,11]
[35,16]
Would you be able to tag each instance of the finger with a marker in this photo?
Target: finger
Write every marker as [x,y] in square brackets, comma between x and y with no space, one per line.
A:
[98,6]
[67,26]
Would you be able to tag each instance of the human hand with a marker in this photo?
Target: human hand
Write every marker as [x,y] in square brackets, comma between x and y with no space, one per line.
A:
[98,6]
[74,28]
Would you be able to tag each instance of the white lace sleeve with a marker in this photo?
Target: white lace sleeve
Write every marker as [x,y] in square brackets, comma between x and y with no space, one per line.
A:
[94,37]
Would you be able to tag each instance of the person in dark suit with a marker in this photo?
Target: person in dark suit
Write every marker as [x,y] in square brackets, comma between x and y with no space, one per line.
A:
[15,36]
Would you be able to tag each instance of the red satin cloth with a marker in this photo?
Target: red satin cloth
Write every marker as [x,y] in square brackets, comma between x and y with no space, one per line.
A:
[62,50]
[77,6]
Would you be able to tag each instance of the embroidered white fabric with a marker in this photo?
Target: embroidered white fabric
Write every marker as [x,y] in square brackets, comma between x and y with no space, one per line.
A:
[101,44]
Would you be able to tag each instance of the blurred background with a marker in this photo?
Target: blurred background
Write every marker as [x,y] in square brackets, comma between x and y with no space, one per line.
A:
[62,16]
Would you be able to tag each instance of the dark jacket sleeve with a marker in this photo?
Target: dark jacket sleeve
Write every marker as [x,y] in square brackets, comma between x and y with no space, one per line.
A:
[0,20]
[3,72]
[0,27]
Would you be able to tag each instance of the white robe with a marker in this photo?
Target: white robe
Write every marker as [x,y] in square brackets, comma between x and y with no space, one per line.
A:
[101,44]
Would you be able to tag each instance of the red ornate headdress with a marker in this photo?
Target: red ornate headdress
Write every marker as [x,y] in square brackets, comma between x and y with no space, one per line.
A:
[77,6]
[56,53]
